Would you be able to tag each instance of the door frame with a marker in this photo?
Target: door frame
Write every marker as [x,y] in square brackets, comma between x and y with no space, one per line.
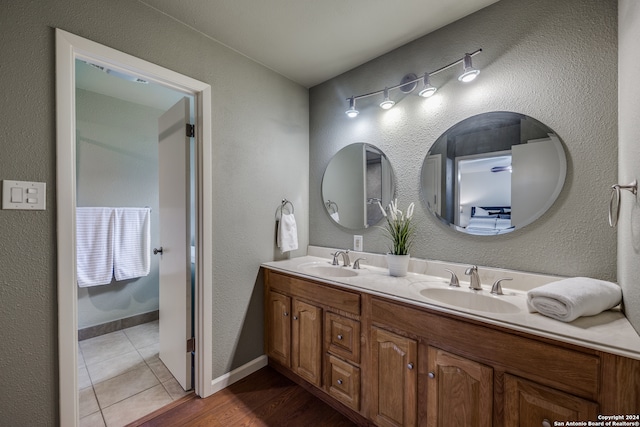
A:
[70,47]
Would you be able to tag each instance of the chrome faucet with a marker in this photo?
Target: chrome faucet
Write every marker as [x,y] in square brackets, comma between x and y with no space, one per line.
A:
[475,279]
[345,258]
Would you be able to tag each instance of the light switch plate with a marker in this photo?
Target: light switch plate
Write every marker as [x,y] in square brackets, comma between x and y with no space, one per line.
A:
[24,195]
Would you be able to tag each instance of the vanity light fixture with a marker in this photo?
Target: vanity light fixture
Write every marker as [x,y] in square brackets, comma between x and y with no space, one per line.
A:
[352,112]
[409,83]
[386,103]
[469,74]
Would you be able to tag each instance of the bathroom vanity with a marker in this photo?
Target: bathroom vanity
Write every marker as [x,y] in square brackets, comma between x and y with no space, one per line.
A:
[373,348]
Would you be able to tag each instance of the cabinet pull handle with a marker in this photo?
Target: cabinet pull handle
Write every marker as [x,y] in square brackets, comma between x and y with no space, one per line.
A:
[432,375]
[546,423]
[340,382]
[295,317]
[340,337]
[286,313]
[410,366]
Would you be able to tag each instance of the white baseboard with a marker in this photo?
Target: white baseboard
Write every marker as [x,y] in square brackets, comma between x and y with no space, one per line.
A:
[237,374]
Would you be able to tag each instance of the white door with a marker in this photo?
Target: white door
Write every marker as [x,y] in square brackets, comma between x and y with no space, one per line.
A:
[175,261]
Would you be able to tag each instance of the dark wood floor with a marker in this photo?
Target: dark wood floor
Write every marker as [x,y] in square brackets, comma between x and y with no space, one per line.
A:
[264,398]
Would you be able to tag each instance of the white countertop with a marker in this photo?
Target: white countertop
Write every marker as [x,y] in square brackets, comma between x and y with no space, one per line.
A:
[610,331]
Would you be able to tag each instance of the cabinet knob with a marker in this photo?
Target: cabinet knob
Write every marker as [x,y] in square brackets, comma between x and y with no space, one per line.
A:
[432,375]
[340,337]
[546,423]
[285,314]
[340,382]
[410,366]
[295,317]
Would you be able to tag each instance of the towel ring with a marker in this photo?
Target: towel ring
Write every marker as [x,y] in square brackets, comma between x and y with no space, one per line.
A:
[331,204]
[282,206]
[614,201]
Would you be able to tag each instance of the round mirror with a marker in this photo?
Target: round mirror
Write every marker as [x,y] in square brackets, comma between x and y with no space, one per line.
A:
[357,178]
[493,173]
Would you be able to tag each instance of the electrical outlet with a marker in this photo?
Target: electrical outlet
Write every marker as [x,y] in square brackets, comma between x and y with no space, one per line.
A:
[357,243]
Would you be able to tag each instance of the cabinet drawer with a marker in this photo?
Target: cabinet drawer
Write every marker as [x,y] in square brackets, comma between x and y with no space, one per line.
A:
[342,336]
[322,294]
[344,382]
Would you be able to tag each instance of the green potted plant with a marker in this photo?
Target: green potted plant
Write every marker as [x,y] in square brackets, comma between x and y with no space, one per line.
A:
[399,230]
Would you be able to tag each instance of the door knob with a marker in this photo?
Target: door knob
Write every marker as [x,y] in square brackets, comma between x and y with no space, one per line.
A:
[157,251]
[432,375]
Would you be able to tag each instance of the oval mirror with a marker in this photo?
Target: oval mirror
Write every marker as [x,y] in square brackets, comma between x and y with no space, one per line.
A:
[493,173]
[356,179]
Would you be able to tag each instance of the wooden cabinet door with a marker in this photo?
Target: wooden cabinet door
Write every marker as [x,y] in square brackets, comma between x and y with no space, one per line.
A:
[394,379]
[307,342]
[530,404]
[278,328]
[460,391]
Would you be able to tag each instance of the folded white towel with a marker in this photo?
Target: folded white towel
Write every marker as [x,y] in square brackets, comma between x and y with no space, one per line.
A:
[568,299]
[132,243]
[336,217]
[94,246]
[287,237]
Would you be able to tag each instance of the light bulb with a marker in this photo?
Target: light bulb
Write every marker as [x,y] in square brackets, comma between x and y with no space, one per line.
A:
[427,90]
[386,103]
[352,112]
[469,73]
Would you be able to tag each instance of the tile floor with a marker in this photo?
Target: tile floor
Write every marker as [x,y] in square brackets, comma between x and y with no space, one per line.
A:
[121,378]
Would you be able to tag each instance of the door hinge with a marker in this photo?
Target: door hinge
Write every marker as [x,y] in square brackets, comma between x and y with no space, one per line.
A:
[191,345]
[191,130]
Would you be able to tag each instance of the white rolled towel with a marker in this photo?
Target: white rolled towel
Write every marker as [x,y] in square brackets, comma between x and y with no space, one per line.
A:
[568,299]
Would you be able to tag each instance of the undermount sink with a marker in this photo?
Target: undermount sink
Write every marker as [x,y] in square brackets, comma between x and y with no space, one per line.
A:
[477,301]
[328,270]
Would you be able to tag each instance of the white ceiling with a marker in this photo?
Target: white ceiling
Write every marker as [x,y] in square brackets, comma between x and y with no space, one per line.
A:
[311,41]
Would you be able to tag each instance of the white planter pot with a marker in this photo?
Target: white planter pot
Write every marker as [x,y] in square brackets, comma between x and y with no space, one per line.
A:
[398,264]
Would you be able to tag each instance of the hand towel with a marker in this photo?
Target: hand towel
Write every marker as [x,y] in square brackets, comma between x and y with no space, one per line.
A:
[336,217]
[287,237]
[94,246]
[568,299]
[131,243]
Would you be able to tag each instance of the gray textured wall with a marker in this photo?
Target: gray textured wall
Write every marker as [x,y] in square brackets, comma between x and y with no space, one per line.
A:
[628,155]
[117,165]
[553,60]
[260,137]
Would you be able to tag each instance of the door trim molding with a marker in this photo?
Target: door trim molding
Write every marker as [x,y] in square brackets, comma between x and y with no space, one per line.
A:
[70,47]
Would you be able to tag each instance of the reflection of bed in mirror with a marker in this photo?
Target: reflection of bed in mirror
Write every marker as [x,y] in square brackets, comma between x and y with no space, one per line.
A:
[489,220]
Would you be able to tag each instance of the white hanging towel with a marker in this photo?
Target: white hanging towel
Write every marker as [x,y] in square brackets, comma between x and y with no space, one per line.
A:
[94,246]
[131,243]
[287,237]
